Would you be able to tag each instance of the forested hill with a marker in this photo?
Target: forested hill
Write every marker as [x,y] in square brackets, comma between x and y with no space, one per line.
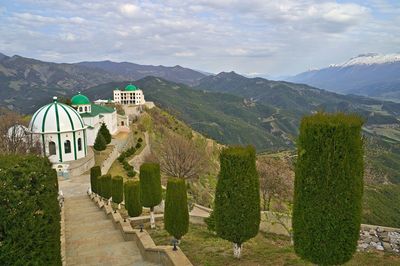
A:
[269,125]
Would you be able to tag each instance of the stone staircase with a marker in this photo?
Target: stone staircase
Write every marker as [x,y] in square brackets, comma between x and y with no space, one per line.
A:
[91,239]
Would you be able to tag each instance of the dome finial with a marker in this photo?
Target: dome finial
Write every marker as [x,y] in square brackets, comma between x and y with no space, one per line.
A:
[55,99]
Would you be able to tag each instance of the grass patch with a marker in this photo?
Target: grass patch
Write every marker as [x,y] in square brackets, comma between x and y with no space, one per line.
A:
[101,156]
[204,248]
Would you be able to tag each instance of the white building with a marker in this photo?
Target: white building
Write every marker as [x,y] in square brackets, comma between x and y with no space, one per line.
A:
[95,115]
[131,95]
[61,132]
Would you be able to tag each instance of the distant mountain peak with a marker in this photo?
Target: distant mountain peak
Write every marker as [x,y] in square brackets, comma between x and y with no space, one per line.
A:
[370,59]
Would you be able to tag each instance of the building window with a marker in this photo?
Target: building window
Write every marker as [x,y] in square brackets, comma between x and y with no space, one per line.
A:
[79,144]
[52,148]
[80,109]
[67,146]
[86,109]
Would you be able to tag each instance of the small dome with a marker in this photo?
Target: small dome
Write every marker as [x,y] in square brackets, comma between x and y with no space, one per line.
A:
[80,99]
[131,87]
[56,118]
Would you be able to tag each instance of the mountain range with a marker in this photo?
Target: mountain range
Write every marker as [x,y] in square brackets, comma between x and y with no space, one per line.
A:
[26,83]
[371,75]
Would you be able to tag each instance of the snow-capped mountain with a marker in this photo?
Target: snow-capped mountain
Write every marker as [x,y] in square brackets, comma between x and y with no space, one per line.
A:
[370,59]
[373,75]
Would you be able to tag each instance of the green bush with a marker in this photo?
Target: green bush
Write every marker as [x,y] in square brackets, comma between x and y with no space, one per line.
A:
[95,171]
[176,215]
[131,173]
[117,189]
[105,132]
[328,188]
[150,184]
[132,198]
[29,211]
[138,145]
[210,222]
[100,143]
[140,140]
[106,186]
[99,185]
[237,198]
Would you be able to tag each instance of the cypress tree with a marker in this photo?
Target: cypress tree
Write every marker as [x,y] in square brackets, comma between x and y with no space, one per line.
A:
[99,185]
[95,171]
[105,132]
[99,143]
[237,197]
[132,198]
[328,188]
[117,192]
[176,214]
[150,187]
[106,186]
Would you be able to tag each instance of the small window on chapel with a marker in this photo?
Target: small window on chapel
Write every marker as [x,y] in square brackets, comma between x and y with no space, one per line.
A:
[79,144]
[67,146]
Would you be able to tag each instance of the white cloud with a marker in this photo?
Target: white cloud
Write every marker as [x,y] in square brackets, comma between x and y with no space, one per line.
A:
[129,10]
[275,37]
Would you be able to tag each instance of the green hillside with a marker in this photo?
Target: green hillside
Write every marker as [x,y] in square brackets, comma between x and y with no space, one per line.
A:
[223,117]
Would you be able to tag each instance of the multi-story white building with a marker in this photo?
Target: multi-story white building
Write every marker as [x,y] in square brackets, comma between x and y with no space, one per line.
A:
[131,95]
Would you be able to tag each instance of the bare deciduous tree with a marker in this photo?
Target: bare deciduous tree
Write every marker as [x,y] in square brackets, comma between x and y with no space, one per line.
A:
[14,138]
[276,180]
[180,157]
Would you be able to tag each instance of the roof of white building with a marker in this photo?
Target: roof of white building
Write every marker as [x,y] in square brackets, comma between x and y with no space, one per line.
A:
[56,118]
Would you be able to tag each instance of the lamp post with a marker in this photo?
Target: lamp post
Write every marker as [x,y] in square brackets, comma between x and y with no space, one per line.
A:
[175,243]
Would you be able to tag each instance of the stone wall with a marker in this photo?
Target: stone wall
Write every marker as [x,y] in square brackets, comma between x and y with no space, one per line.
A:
[380,238]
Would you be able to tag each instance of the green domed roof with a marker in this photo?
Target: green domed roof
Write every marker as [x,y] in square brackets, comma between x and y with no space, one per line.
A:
[80,99]
[131,87]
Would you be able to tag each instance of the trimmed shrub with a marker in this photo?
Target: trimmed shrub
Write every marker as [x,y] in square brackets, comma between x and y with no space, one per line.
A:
[138,145]
[99,185]
[150,184]
[328,188]
[106,186]
[95,171]
[150,187]
[117,189]
[140,140]
[132,198]
[210,222]
[130,173]
[105,132]
[29,212]
[176,215]
[100,143]
[237,197]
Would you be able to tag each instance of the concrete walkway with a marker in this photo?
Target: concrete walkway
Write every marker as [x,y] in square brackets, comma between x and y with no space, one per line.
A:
[90,238]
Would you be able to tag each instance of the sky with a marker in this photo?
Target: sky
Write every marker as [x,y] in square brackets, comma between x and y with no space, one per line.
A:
[253,37]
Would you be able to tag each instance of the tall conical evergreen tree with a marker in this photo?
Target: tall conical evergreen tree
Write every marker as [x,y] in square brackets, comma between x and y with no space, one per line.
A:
[176,215]
[237,197]
[328,188]
[100,143]
[150,187]
[105,132]
[117,192]
[95,171]
[132,198]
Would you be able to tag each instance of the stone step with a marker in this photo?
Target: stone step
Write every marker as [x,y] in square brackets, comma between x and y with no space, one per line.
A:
[92,239]
[93,229]
[85,219]
[80,213]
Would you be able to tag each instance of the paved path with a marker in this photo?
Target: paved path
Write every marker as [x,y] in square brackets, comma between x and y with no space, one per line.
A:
[90,238]
[137,160]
